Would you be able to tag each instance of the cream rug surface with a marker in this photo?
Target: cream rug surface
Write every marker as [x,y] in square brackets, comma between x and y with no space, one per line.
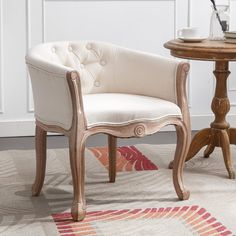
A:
[141,202]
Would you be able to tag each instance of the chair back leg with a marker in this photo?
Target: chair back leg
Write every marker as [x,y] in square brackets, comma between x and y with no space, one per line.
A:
[40,147]
[112,145]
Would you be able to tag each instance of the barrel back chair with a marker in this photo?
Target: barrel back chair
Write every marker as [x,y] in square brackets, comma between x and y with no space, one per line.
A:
[84,88]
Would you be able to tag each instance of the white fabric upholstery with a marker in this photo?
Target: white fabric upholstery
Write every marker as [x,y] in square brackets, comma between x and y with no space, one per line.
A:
[103,68]
[119,109]
[52,100]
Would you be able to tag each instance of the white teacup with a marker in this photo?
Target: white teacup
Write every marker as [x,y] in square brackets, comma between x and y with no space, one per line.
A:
[189,32]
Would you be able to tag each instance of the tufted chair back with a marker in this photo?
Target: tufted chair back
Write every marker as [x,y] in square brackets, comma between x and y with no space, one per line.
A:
[106,68]
[102,68]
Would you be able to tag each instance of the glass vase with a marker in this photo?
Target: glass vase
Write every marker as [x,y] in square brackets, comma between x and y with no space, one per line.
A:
[219,22]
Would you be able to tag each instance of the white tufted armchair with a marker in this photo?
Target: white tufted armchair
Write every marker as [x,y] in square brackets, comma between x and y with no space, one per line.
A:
[84,88]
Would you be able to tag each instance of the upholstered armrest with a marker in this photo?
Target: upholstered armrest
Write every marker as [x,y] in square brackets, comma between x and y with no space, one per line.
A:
[152,75]
[46,66]
[147,74]
[52,96]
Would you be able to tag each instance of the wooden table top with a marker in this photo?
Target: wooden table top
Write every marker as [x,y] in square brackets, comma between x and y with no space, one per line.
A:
[206,50]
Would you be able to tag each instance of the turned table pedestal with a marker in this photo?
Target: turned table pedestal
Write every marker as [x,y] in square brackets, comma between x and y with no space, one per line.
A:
[219,134]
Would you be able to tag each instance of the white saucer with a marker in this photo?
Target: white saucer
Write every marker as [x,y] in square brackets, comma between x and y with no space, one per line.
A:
[193,40]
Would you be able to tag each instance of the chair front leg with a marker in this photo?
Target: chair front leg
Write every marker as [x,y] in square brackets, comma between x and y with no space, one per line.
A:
[179,160]
[112,145]
[76,149]
[41,148]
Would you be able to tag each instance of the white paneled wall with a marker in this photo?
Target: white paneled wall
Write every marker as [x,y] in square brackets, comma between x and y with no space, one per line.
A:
[143,25]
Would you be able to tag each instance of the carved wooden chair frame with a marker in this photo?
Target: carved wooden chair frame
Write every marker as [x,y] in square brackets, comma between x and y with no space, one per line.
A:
[78,133]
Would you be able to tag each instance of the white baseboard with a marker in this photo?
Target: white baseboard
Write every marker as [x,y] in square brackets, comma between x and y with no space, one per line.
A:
[27,127]
[17,128]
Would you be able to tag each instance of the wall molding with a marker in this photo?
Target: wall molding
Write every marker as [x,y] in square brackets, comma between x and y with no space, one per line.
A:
[43,20]
[190,100]
[28,24]
[30,107]
[231,89]
[187,23]
[1,59]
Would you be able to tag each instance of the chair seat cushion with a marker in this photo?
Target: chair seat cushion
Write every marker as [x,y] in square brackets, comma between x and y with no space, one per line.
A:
[121,109]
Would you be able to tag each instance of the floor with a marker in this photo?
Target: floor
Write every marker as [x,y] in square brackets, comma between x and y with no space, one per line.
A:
[142,201]
[54,141]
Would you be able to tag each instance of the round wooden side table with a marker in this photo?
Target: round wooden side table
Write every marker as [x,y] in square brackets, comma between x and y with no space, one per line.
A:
[219,134]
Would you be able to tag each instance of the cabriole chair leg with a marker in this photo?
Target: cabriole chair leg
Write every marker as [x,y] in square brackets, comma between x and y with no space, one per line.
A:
[41,147]
[179,160]
[76,149]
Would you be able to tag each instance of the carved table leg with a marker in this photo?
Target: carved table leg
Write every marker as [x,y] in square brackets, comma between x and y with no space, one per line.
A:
[219,135]
[209,150]
[221,106]
[201,139]
[225,145]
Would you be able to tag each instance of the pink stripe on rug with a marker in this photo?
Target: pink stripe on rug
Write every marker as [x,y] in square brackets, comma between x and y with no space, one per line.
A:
[128,158]
[190,215]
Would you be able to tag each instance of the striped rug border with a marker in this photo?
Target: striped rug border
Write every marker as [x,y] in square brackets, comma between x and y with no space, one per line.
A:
[195,219]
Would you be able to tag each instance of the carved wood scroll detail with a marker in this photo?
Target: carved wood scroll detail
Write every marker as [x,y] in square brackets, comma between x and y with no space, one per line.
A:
[140,130]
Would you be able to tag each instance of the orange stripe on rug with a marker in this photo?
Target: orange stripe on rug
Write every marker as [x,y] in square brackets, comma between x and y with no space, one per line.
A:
[194,218]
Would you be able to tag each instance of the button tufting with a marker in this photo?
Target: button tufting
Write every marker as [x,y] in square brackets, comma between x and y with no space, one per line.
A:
[89,46]
[82,66]
[70,48]
[97,83]
[102,62]
[53,50]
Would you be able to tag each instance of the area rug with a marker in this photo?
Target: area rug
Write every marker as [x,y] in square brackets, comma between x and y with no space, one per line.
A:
[142,201]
